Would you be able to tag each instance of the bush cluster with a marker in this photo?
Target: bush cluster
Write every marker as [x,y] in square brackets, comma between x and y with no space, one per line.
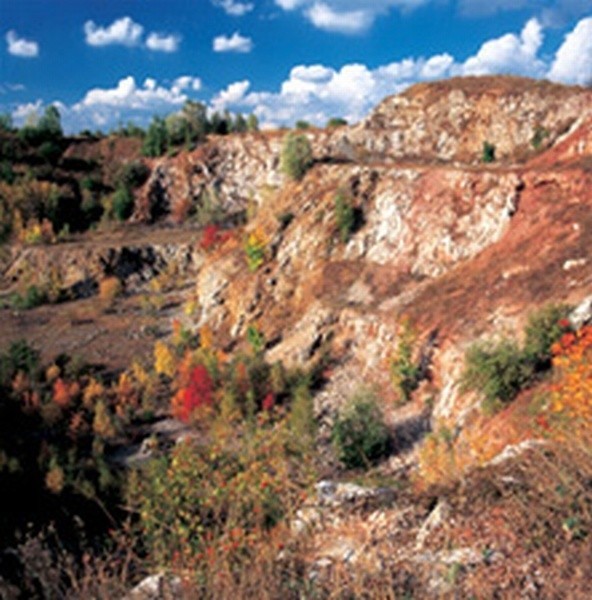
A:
[501,370]
[360,434]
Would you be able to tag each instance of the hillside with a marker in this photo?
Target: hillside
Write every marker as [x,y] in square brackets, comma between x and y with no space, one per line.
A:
[443,244]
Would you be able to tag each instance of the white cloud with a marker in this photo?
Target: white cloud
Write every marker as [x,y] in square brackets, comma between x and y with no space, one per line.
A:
[234,43]
[21,47]
[122,31]
[510,54]
[29,110]
[162,42]
[128,95]
[233,94]
[437,66]
[347,16]
[324,17]
[316,92]
[290,4]
[234,8]
[186,82]
[128,100]
[573,61]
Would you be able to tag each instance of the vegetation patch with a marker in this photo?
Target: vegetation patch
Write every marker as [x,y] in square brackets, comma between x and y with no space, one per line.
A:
[500,370]
[360,434]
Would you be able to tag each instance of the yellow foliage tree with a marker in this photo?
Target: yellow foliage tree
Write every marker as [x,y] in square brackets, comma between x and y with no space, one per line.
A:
[164,360]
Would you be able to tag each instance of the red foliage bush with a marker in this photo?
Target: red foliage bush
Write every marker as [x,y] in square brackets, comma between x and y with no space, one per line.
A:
[213,236]
[199,393]
[268,402]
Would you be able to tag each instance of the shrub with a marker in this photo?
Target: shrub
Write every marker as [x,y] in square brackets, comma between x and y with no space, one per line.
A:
[336,122]
[164,360]
[33,297]
[198,394]
[218,495]
[209,208]
[544,328]
[109,289]
[497,370]
[255,248]
[296,156]
[360,434]
[539,136]
[212,236]
[50,152]
[123,203]
[345,216]
[404,372]
[500,371]
[19,357]
[570,411]
[488,155]
[133,174]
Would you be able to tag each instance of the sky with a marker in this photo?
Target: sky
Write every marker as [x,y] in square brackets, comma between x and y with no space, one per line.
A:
[108,62]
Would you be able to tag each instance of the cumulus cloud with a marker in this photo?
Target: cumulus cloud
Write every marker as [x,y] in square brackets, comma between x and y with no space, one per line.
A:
[510,54]
[235,43]
[128,94]
[21,47]
[186,82]
[122,31]
[233,94]
[234,8]
[126,32]
[29,110]
[317,92]
[321,15]
[573,61]
[162,42]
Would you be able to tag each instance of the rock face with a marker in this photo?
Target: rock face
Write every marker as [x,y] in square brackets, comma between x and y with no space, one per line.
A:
[76,269]
[461,251]
[451,120]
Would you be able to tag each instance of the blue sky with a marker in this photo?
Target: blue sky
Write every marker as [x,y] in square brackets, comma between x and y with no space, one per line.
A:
[109,61]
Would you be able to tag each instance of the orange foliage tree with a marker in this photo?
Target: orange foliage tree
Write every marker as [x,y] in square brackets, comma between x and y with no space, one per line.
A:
[571,404]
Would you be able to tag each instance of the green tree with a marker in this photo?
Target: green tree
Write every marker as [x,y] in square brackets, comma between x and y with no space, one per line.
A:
[252,122]
[177,129]
[50,124]
[296,156]
[196,115]
[156,140]
[123,203]
[6,122]
[240,124]
[336,122]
